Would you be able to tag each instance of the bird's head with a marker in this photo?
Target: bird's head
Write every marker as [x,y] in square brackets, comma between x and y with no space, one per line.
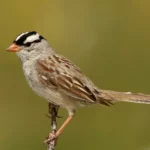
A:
[28,45]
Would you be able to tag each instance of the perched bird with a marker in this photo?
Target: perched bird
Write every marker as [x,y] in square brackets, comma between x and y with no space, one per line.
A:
[59,81]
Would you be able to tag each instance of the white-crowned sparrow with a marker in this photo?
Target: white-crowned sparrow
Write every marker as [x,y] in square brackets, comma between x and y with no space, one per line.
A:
[58,80]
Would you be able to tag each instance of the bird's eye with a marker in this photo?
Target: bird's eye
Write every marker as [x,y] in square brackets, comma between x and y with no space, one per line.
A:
[27,44]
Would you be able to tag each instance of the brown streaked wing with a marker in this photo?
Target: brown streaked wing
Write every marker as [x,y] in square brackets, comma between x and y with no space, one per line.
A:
[75,88]
[68,80]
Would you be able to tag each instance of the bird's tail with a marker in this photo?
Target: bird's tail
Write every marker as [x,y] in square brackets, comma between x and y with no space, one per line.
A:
[112,96]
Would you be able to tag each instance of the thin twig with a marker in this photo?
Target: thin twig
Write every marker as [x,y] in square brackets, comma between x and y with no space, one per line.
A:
[53,110]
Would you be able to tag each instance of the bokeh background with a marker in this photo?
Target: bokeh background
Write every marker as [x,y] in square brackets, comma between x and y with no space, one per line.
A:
[110,41]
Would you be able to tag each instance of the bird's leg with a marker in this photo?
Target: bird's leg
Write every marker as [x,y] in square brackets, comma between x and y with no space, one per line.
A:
[54,136]
[63,126]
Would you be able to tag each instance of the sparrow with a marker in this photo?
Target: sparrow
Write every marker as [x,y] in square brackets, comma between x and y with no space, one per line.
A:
[61,82]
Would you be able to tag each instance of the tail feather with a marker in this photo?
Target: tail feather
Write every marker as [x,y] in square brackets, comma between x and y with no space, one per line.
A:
[113,96]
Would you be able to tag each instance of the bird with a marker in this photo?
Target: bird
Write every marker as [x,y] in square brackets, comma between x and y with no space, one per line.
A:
[61,82]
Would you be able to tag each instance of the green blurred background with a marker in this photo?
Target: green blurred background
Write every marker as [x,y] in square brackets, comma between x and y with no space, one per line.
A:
[110,41]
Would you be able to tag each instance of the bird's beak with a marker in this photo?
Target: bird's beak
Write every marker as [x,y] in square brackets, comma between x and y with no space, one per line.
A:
[13,48]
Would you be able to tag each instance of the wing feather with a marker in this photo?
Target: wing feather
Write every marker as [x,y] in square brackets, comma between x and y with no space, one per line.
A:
[61,74]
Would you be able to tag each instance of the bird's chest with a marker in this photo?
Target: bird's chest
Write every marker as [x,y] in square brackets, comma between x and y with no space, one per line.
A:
[50,94]
[30,75]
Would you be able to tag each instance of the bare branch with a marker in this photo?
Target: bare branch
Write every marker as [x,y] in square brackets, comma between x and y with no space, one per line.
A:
[53,111]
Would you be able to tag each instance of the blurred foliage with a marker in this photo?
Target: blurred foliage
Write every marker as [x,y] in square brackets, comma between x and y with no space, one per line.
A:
[110,41]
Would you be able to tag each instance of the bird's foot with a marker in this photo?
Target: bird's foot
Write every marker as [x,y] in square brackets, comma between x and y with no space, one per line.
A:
[50,138]
[53,136]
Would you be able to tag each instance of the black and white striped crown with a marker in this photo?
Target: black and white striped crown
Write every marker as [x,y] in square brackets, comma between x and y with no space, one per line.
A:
[27,38]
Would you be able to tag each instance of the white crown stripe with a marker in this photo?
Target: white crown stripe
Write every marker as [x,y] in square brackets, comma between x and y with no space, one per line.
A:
[21,36]
[32,38]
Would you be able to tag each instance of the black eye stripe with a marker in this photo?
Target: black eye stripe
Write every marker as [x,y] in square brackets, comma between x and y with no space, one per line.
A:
[37,41]
[29,43]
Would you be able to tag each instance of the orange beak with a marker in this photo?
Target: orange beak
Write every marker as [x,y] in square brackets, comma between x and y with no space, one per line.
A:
[13,48]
